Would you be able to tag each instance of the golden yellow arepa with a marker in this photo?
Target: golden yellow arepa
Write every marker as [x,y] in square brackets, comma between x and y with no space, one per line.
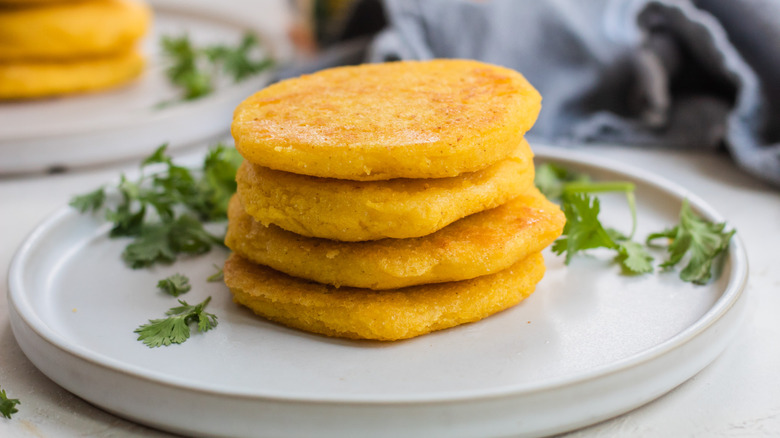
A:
[382,315]
[21,80]
[70,30]
[480,244]
[367,210]
[410,119]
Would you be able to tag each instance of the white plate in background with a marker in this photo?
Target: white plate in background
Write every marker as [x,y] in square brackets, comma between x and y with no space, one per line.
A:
[127,122]
[588,345]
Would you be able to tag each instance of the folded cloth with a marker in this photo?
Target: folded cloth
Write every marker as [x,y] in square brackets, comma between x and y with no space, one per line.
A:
[676,73]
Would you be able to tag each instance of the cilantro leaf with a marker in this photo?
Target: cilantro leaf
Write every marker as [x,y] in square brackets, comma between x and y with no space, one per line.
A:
[183,69]
[128,216]
[126,221]
[699,239]
[555,181]
[187,235]
[8,405]
[634,258]
[162,210]
[193,69]
[161,242]
[236,61]
[217,276]
[609,186]
[91,201]
[175,285]
[176,328]
[583,230]
[218,184]
[551,178]
[150,247]
[158,156]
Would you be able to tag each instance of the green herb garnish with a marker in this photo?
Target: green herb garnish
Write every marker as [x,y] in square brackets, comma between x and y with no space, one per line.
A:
[600,187]
[163,211]
[217,184]
[700,239]
[193,69]
[184,68]
[89,201]
[176,328]
[551,178]
[236,61]
[217,276]
[634,258]
[583,231]
[175,285]
[8,405]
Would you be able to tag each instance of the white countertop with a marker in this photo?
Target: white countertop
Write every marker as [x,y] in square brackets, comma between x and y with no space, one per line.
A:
[734,396]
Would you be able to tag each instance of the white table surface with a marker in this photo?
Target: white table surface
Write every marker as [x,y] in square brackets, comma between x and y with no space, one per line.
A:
[736,396]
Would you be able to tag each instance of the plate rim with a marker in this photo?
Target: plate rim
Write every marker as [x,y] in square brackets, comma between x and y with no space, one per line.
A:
[733,291]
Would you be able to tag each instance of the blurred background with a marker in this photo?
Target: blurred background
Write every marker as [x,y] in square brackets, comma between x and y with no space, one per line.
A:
[76,75]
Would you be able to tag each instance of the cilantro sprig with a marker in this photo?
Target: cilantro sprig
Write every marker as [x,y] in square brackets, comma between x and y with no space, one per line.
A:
[175,285]
[584,231]
[89,201]
[701,240]
[551,179]
[216,276]
[633,257]
[694,238]
[237,61]
[8,405]
[194,69]
[164,211]
[175,329]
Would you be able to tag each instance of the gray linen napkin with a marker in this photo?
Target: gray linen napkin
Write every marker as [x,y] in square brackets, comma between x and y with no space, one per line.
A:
[677,73]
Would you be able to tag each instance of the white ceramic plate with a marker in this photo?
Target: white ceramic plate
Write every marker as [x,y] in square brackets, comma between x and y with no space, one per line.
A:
[588,345]
[126,122]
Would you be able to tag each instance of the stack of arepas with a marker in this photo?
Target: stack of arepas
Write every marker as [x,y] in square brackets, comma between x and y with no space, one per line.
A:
[386,201]
[51,47]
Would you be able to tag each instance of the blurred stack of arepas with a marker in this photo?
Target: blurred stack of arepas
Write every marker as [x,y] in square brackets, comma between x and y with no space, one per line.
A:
[386,201]
[54,47]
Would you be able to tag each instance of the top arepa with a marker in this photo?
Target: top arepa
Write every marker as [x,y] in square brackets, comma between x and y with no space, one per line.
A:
[411,119]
